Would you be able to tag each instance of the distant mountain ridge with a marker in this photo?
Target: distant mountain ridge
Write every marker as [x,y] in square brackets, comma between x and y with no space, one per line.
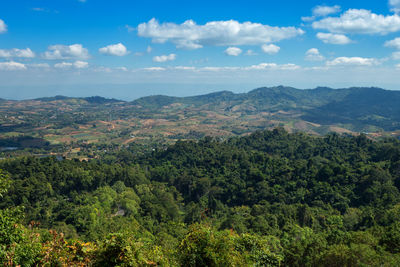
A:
[91,99]
[355,108]
[356,105]
[264,95]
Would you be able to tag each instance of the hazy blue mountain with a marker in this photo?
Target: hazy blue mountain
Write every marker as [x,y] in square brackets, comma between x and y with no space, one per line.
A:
[101,100]
[53,98]
[91,99]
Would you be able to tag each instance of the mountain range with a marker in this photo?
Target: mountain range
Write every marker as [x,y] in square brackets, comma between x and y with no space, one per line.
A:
[161,119]
[362,107]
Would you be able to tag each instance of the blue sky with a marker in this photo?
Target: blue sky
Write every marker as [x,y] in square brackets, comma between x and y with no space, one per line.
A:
[128,49]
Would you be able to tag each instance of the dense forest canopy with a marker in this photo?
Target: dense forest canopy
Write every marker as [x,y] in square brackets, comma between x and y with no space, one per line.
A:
[267,199]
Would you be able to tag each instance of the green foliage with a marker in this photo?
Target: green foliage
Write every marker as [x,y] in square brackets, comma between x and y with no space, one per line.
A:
[18,246]
[260,250]
[130,250]
[204,247]
[268,199]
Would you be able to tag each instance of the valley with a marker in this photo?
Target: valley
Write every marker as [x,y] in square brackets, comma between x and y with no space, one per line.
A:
[87,127]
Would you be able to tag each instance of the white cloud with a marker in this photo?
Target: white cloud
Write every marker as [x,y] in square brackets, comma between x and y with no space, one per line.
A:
[270,49]
[307,19]
[395,5]
[313,54]
[233,51]
[66,52]
[164,58]
[149,49]
[189,35]
[322,11]
[331,38]
[15,52]
[398,66]
[3,26]
[77,64]
[360,21]
[40,65]
[395,43]
[261,66]
[258,67]
[184,68]
[216,69]
[12,65]
[353,61]
[155,69]
[63,65]
[81,64]
[273,66]
[122,68]
[114,50]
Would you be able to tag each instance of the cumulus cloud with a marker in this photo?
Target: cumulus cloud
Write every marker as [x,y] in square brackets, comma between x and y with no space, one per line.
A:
[12,65]
[66,52]
[313,54]
[360,21]
[15,52]
[270,49]
[233,51]
[81,64]
[164,58]
[395,43]
[114,50]
[63,65]
[322,11]
[67,65]
[3,26]
[331,38]
[353,61]
[189,35]
[395,5]
[149,49]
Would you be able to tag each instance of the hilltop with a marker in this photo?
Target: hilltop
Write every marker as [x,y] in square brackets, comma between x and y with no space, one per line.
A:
[159,119]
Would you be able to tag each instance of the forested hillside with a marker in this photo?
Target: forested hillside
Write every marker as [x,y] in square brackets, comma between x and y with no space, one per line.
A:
[267,199]
[86,127]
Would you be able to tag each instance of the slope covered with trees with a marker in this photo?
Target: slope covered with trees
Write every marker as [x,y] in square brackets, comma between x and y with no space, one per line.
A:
[86,127]
[267,199]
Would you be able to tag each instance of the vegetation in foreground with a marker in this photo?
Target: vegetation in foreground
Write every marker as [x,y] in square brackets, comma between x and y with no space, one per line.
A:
[268,199]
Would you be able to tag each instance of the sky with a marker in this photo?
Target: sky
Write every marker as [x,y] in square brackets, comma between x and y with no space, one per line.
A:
[129,49]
